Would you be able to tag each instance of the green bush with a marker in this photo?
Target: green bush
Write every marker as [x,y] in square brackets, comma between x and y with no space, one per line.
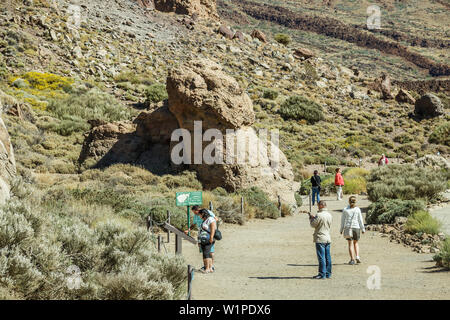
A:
[178,216]
[441,134]
[422,221]
[406,182]
[264,208]
[270,94]
[228,210]
[443,257]
[385,210]
[355,180]
[283,38]
[299,107]
[156,92]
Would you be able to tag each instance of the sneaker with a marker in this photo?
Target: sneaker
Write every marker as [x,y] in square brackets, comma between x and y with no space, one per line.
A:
[358,260]
[318,277]
[352,262]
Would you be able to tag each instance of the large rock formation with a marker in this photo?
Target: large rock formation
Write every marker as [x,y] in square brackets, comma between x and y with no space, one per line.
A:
[7,161]
[428,106]
[203,8]
[203,100]
[201,91]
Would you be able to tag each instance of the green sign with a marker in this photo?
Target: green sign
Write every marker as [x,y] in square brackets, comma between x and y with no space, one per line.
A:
[189,198]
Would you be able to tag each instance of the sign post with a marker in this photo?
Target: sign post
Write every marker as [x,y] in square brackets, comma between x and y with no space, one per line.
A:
[189,199]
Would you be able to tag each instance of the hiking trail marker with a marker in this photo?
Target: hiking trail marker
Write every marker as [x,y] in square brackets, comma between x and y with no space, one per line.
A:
[189,199]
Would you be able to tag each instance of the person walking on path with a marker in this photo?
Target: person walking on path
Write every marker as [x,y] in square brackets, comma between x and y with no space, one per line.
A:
[339,183]
[321,237]
[351,227]
[315,183]
[383,161]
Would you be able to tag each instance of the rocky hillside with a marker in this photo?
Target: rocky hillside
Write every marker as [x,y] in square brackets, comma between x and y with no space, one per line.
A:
[121,53]
[340,31]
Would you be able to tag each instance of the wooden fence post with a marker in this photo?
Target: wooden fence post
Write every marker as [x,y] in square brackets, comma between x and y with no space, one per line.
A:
[279,205]
[178,244]
[159,243]
[168,231]
[310,199]
[190,278]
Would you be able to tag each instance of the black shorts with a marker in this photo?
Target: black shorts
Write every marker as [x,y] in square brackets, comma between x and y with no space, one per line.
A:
[206,250]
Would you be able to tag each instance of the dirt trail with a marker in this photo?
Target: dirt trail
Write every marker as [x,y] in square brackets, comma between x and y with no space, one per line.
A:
[275,259]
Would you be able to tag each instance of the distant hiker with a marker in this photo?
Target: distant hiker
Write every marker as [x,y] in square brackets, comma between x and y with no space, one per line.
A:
[198,222]
[383,161]
[206,239]
[351,227]
[321,237]
[315,183]
[339,183]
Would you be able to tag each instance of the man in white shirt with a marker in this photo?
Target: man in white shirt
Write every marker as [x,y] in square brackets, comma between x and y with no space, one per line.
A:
[322,225]
[351,226]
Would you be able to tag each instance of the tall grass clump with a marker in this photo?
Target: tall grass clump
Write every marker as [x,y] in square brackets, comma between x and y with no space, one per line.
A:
[301,108]
[405,182]
[443,257]
[422,221]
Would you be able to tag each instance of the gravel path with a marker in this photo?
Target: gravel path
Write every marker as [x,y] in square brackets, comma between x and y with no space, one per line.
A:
[275,259]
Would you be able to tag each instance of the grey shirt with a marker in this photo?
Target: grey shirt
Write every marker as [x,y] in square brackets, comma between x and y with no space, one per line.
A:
[322,225]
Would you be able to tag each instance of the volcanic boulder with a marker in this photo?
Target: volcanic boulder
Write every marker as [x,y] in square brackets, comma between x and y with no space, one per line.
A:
[259,35]
[404,97]
[203,97]
[203,8]
[429,106]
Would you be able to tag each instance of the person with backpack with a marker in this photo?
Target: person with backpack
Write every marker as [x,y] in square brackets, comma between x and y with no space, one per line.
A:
[206,238]
[339,183]
[315,183]
[351,227]
[198,222]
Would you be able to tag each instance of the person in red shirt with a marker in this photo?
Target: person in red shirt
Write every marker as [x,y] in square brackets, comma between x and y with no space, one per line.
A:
[339,183]
[383,160]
